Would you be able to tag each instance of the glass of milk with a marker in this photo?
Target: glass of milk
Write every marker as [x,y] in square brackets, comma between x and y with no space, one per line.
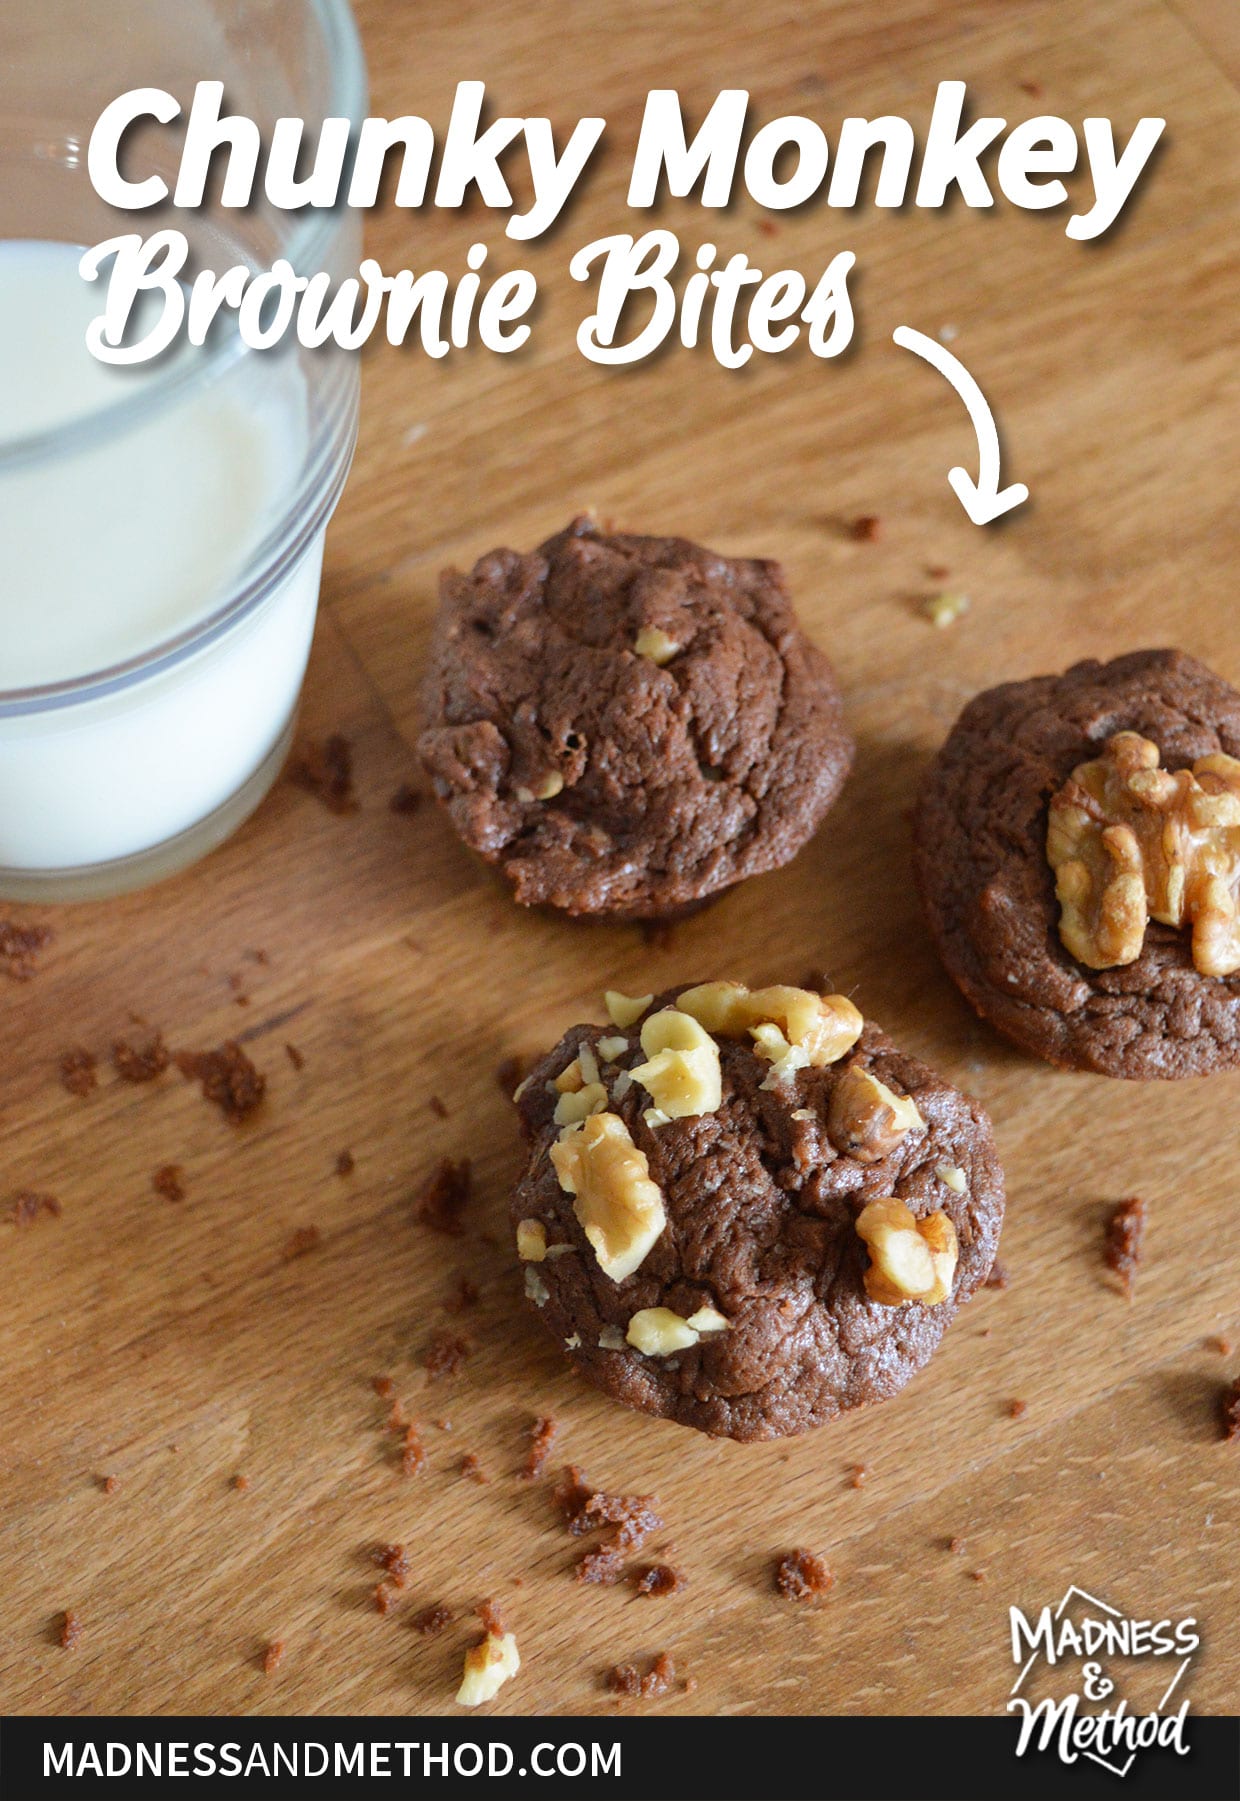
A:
[161,525]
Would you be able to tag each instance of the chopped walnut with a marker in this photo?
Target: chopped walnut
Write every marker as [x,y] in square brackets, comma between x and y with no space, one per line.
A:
[624,1010]
[655,644]
[943,610]
[1130,842]
[910,1259]
[792,1027]
[681,1073]
[951,1176]
[865,1119]
[547,788]
[658,1332]
[531,1240]
[488,1665]
[620,1209]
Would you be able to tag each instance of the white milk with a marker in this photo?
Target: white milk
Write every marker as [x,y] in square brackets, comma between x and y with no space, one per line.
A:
[110,551]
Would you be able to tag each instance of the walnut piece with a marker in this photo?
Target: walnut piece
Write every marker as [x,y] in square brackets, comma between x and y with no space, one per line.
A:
[1130,842]
[487,1667]
[531,1240]
[619,1207]
[865,1119]
[910,1259]
[656,644]
[793,1027]
[624,1010]
[657,1331]
[572,1108]
[681,1073]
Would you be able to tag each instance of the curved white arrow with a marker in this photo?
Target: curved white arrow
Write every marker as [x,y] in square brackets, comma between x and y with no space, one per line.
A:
[983,499]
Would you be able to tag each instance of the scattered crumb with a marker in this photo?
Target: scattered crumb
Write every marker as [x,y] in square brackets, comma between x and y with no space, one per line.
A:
[604,1566]
[509,1075]
[326,770]
[169,1181]
[407,799]
[70,1630]
[300,1243]
[445,1353]
[1222,1346]
[998,1277]
[768,228]
[273,1657]
[657,1579]
[438,1108]
[627,1680]
[20,947]
[632,1519]
[240,1483]
[29,1204]
[345,1164]
[943,610]
[542,1437]
[860,1475]
[442,1425]
[658,934]
[1017,1408]
[492,1619]
[228,1079]
[1034,89]
[431,1621]
[956,1546]
[800,1576]
[868,529]
[383,1386]
[109,1484]
[79,1071]
[445,1196]
[978,1575]
[571,1491]
[471,1467]
[413,1452]
[937,572]
[465,1295]
[294,1056]
[393,1560]
[397,1419]
[385,1597]
[1231,1412]
[1122,1251]
[140,1062]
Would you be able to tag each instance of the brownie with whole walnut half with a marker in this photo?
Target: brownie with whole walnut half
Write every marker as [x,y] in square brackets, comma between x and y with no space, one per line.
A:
[628,725]
[1078,855]
[747,1210]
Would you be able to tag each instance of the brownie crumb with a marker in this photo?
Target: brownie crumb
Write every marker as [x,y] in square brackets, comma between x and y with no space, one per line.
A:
[413,1452]
[345,1164]
[657,1579]
[471,1467]
[604,1566]
[20,947]
[140,1062]
[445,1197]
[445,1353]
[79,1071]
[240,1483]
[978,1575]
[998,1277]
[956,1546]
[1034,89]
[465,1295]
[438,1108]
[70,1630]
[860,1475]
[509,1075]
[383,1386]
[627,1680]
[294,1056]
[1016,1409]
[492,1619]
[109,1484]
[632,1519]
[30,1203]
[393,1560]
[325,770]
[169,1181]
[273,1657]
[406,800]
[542,1438]
[1220,1346]
[385,1597]
[300,1243]
[571,1491]
[397,1419]
[442,1425]
[431,1621]
[1231,1412]
[800,1576]
[228,1079]
[1123,1241]
[868,529]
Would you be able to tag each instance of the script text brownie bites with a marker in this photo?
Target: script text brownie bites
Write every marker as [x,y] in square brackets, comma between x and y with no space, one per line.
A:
[746,1210]
[1078,854]
[627,725]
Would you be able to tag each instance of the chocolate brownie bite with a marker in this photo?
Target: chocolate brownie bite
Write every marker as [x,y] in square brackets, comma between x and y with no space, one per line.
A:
[1078,855]
[747,1210]
[628,725]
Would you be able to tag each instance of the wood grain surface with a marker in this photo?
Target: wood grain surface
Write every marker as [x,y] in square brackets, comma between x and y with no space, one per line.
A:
[173,1346]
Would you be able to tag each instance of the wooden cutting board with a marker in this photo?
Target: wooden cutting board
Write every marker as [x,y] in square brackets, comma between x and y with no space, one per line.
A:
[174,1347]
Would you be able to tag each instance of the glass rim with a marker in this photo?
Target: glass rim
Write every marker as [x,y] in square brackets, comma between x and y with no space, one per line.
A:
[347,99]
